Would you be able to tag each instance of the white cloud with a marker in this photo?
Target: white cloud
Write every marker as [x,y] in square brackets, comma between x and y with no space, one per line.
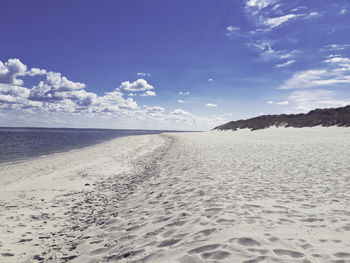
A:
[114,101]
[266,51]
[55,94]
[137,85]
[184,93]
[15,91]
[180,115]
[155,109]
[282,103]
[337,72]
[276,7]
[60,98]
[36,71]
[58,88]
[338,59]
[148,93]
[312,14]
[343,11]
[181,101]
[143,74]
[232,28]
[278,103]
[210,79]
[277,21]
[258,4]
[10,70]
[285,64]
[15,97]
[306,100]
[335,47]
[210,105]
[298,8]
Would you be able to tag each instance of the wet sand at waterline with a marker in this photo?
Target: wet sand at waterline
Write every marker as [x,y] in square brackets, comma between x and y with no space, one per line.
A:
[273,195]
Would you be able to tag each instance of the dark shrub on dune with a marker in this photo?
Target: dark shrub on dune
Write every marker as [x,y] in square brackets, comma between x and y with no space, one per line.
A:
[322,117]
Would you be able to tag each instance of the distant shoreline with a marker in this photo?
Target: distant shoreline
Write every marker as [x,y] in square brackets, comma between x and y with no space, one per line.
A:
[21,144]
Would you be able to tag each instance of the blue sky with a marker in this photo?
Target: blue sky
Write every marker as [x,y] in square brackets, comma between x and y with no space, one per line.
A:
[170,64]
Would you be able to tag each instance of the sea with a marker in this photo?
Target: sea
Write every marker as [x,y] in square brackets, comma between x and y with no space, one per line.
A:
[19,144]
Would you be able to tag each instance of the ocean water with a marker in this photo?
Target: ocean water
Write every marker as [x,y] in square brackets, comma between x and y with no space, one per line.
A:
[17,144]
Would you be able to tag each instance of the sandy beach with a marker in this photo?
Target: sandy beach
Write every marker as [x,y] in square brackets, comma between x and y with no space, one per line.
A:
[272,195]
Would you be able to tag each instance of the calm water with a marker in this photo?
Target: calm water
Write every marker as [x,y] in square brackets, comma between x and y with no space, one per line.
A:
[18,144]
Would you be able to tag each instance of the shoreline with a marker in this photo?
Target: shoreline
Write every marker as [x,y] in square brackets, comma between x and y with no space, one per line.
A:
[71,150]
[263,196]
[36,203]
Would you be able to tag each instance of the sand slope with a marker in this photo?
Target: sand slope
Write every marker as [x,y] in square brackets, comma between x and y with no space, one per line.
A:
[274,195]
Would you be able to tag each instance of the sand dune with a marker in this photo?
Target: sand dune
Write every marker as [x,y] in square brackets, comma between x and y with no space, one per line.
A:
[274,195]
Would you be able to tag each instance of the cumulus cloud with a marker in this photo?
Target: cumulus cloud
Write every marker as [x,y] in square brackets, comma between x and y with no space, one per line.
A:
[148,93]
[55,93]
[270,102]
[184,93]
[137,85]
[155,109]
[210,105]
[10,70]
[36,71]
[210,79]
[181,101]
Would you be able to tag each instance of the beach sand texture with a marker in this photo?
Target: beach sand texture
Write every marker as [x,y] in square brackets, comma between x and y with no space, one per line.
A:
[273,195]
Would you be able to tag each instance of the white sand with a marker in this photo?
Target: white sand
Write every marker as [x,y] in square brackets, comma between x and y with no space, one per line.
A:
[274,195]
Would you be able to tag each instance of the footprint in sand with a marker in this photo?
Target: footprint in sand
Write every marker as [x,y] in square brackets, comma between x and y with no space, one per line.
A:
[7,254]
[168,242]
[216,255]
[189,259]
[100,250]
[342,255]
[203,249]
[256,260]
[177,223]
[273,239]
[245,241]
[133,228]
[207,232]
[286,252]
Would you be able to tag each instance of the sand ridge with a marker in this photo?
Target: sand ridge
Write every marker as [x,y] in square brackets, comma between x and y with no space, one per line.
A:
[274,195]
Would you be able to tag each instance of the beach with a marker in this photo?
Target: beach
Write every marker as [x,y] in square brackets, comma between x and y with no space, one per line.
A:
[272,195]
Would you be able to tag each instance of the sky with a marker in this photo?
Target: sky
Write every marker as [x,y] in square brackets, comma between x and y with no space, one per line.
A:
[160,64]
